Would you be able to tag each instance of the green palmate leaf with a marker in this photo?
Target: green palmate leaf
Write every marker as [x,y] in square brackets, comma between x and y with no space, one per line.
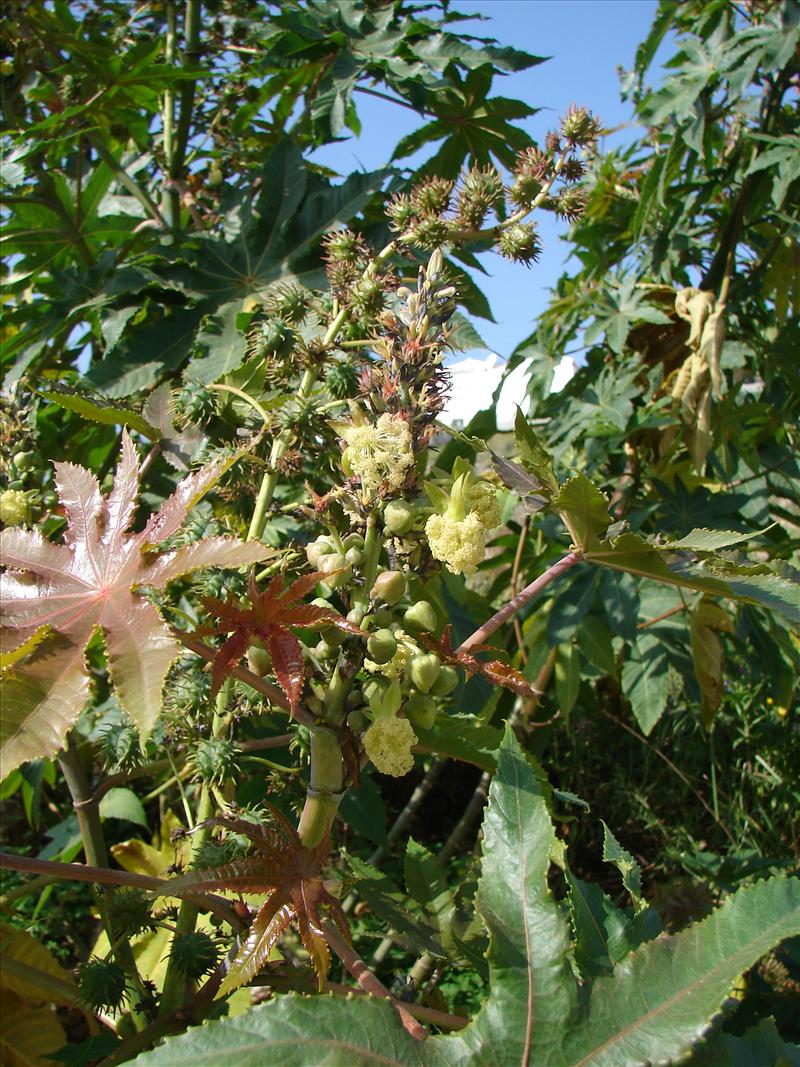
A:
[654,1006]
[567,673]
[419,933]
[463,336]
[604,934]
[534,456]
[757,1047]
[100,409]
[759,584]
[658,1002]
[583,508]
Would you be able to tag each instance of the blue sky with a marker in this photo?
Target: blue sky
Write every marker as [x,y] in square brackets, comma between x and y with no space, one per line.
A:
[587,40]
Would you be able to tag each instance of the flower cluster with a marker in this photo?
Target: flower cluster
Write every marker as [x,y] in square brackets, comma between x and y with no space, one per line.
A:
[457,533]
[388,743]
[380,454]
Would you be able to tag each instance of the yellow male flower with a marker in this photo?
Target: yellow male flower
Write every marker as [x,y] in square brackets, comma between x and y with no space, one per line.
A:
[379,453]
[388,743]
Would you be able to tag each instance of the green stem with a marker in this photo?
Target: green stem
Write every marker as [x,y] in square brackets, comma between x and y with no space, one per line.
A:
[87,812]
[373,543]
[170,203]
[176,988]
[110,160]
[325,789]
[191,48]
[281,443]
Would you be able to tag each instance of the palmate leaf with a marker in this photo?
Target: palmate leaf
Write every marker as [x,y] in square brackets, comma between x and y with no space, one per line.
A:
[268,617]
[759,584]
[653,1008]
[290,876]
[90,583]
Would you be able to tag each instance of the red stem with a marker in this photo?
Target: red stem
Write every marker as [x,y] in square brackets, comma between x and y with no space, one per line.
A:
[513,606]
[370,982]
[82,872]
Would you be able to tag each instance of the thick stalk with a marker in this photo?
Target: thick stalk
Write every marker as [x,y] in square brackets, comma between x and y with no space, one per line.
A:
[87,812]
[325,789]
[368,981]
[191,48]
[170,203]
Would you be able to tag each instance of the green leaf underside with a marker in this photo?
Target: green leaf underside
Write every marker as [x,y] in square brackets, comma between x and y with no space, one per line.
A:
[653,1008]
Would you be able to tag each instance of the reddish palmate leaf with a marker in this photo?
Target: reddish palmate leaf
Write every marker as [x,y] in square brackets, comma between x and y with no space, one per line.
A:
[494,670]
[290,875]
[89,583]
[268,616]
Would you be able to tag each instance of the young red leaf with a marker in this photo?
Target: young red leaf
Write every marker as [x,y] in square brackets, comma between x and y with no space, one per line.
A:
[290,876]
[268,617]
[90,583]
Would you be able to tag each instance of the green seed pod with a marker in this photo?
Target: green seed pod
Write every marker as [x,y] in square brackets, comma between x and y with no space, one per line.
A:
[129,912]
[121,747]
[354,556]
[354,540]
[325,651]
[26,461]
[381,646]
[356,615]
[420,618]
[520,243]
[336,570]
[383,617]
[423,669]
[259,660]
[215,759]
[333,636]
[355,699]
[194,955]
[102,985]
[420,710]
[399,516]
[317,549]
[446,682]
[358,722]
[390,587]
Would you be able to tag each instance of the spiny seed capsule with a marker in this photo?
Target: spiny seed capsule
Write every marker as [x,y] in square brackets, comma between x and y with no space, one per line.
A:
[194,955]
[520,243]
[432,197]
[102,985]
[400,210]
[580,127]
